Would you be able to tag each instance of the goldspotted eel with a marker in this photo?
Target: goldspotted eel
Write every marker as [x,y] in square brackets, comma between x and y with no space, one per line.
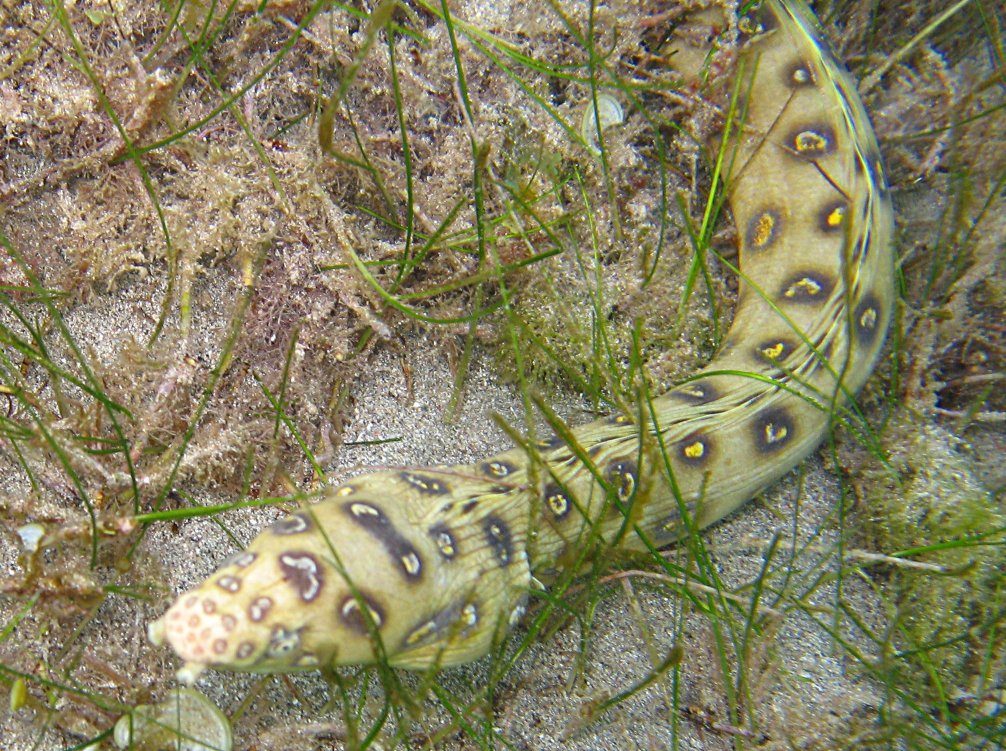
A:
[428,567]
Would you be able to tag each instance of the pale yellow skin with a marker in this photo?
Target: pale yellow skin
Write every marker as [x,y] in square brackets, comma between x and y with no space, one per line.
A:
[428,567]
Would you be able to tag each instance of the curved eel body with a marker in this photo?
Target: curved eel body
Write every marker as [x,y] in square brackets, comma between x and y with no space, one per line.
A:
[428,567]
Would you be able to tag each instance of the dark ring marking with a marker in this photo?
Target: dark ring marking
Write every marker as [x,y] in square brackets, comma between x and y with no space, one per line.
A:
[695,449]
[445,541]
[292,525]
[259,608]
[800,75]
[833,216]
[866,319]
[469,617]
[695,393]
[450,618]
[353,617]
[773,429]
[245,650]
[282,642]
[805,288]
[622,477]
[229,584]
[774,351]
[302,572]
[618,420]
[547,444]
[497,468]
[498,536]
[812,142]
[242,560]
[762,230]
[425,484]
[557,501]
[372,519]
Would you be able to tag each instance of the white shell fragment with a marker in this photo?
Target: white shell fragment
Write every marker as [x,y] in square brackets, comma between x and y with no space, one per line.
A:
[31,536]
[609,112]
[186,721]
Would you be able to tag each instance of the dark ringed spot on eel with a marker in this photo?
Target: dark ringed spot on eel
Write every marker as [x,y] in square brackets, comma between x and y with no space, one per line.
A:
[372,519]
[695,393]
[695,449]
[259,608]
[762,230]
[447,619]
[229,584]
[773,429]
[806,287]
[622,477]
[866,319]
[425,484]
[799,75]
[302,572]
[832,217]
[291,525]
[498,536]
[242,559]
[811,142]
[550,443]
[245,650]
[445,541]
[497,468]
[556,501]
[774,350]
[349,612]
[469,616]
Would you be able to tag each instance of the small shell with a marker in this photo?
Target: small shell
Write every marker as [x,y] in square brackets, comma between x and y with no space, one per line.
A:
[186,721]
[609,112]
[31,536]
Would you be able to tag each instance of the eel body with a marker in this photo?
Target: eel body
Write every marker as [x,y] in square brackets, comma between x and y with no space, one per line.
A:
[428,567]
